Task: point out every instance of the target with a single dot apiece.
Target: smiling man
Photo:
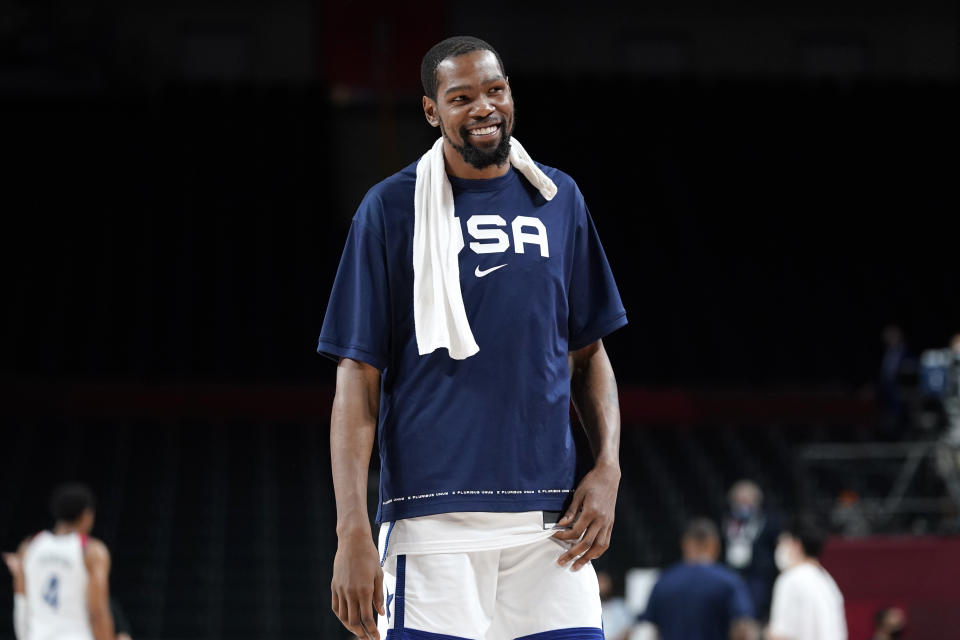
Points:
(465, 368)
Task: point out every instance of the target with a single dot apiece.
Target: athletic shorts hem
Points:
(573, 633)
(413, 634)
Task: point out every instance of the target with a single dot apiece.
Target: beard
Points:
(482, 158)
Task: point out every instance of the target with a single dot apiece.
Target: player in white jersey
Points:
(61, 576)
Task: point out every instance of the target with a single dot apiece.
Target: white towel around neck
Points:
(439, 317)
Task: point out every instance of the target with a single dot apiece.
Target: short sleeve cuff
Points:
(336, 351)
(593, 333)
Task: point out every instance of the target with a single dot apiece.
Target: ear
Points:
(430, 112)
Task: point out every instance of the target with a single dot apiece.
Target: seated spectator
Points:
(847, 517)
(889, 624)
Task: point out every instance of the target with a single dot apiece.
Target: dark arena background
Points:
(776, 188)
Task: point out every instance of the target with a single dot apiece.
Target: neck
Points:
(805, 560)
(703, 558)
(460, 168)
(63, 528)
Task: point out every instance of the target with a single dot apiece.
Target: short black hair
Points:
(880, 617)
(701, 530)
(808, 531)
(69, 500)
(450, 48)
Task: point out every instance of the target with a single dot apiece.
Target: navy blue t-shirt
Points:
(491, 432)
(698, 602)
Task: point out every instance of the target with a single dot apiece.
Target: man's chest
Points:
(524, 249)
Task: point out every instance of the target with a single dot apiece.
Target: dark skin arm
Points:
(593, 389)
(744, 629)
(357, 586)
(97, 559)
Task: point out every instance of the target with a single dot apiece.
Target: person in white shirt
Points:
(61, 576)
(807, 604)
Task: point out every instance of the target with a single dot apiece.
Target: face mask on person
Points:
(783, 557)
(743, 512)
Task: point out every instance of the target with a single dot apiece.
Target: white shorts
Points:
(499, 594)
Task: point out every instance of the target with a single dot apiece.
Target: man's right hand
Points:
(357, 586)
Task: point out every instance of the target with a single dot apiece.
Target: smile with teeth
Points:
(485, 131)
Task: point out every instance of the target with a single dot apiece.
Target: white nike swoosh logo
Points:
(480, 273)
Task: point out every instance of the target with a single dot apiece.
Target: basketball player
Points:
(61, 576)
(486, 530)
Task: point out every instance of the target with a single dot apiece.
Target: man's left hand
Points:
(590, 516)
(14, 564)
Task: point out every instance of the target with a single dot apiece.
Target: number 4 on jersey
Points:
(50, 595)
